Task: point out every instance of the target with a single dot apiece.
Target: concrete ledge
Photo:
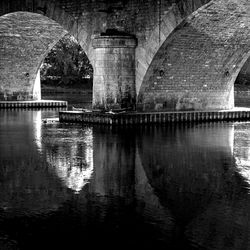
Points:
(32, 104)
(154, 117)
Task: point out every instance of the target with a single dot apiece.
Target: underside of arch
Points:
(25, 39)
(170, 15)
(191, 184)
(197, 65)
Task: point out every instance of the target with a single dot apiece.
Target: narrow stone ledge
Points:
(135, 118)
(32, 104)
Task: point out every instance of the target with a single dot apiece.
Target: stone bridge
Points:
(152, 55)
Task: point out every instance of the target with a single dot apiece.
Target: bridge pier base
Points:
(114, 72)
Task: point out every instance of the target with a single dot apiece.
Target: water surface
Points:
(164, 187)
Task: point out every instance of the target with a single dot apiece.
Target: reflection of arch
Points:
(26, 185)
(200, 60)
(147, 200)
(71, 162)
(193, 172)
(242, 151)
(187, 166)
(26, 38)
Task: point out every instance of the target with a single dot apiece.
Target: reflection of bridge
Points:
(162, 55)
(181, 179)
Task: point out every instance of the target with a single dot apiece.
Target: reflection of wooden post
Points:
(114, 72)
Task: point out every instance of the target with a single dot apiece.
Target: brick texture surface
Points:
(197, 65)
(188, 55)
(25, 40)
(149, 21)
(114, 72)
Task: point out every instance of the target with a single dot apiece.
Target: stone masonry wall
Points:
(150, 21)
(114, 72)
(183, 60)
(25, 39)
(197, 65)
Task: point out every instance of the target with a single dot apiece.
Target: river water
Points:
(69, 186)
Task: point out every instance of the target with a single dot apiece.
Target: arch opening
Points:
(66, 73)
(242, 86)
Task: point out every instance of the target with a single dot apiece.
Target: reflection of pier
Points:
(117, 169)
(193, 172)
(181, 180)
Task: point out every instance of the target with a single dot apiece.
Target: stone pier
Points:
(114, 72)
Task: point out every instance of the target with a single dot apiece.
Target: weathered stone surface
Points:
(25, 40)
(149, 21)
(185, 59)
(197, 65)
(114, 72)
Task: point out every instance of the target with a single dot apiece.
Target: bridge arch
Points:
(74, 23)
(196, 66)
(26, 38)
(168, 19)
(150, 22)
